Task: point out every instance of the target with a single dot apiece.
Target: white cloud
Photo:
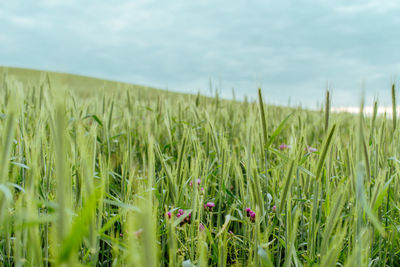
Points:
(376, 6)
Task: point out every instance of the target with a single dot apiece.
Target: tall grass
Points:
(138, 177)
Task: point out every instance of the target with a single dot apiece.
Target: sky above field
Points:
(292, 49)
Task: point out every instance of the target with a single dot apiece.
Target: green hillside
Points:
(69, 81)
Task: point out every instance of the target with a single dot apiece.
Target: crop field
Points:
(110, 174)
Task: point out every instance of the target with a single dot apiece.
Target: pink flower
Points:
(248, 210)
(187, 219)
(284, 146)
(202, 227)
(252, 216)
(169, 215)
(274, 208)
(198, 182)
(209, 206)
(180, 213)
(311, 149)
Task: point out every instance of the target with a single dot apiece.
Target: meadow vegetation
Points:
(133, 176)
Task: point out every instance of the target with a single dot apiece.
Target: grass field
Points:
(97, 173)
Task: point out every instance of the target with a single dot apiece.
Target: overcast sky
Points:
(290, 48)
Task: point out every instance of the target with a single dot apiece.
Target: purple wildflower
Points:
(169, 215)
(201, 227)
(198, 182)
(284, 146)
(180, 213)
(273, 208)
(209, 206)
(252, 216)
(248, 210)
(311, 149)
(187, 219)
